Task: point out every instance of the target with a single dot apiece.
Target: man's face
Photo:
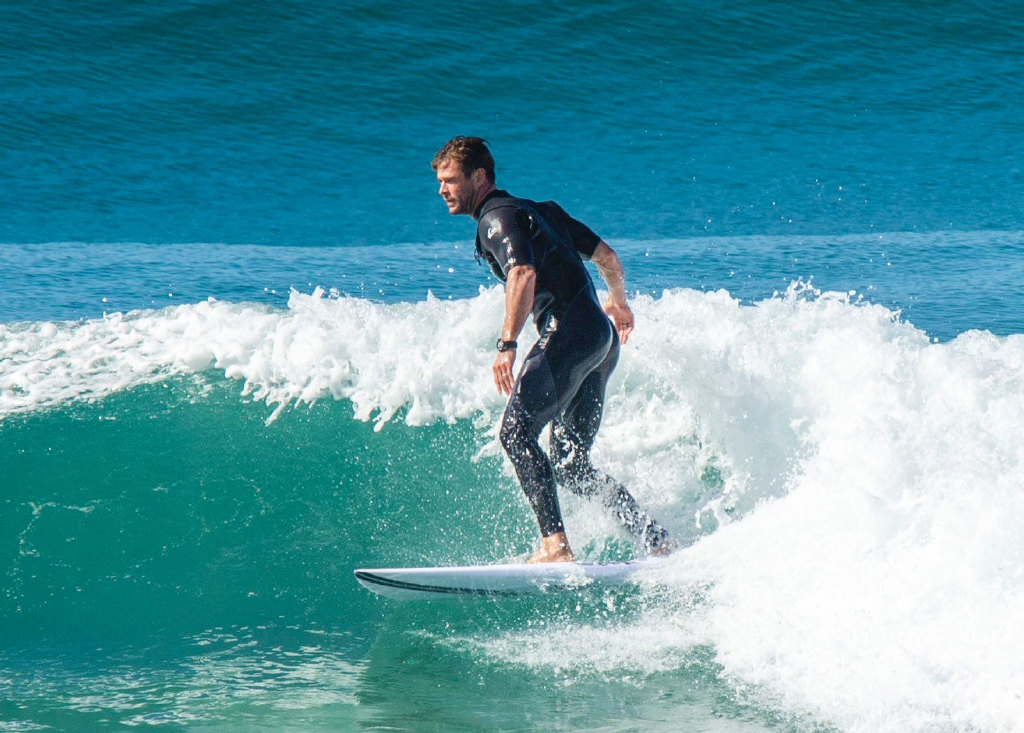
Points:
(458, 190)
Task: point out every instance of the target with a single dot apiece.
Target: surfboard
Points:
(516, 579)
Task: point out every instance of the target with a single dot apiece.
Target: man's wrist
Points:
(504, 345)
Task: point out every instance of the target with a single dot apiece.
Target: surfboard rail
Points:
(500, 580)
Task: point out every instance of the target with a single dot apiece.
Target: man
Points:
(537, 250)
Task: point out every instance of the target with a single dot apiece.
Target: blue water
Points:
(244, 349)
(291, 123)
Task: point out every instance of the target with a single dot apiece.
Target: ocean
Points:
(244, 350)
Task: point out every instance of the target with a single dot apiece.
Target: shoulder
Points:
(493, 222)
(499, 216)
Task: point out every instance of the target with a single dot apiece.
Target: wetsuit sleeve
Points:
(583, 238)
(502, 234)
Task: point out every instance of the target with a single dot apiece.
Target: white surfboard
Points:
(518, 579)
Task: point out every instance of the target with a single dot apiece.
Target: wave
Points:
(379, 357)
(849, 488)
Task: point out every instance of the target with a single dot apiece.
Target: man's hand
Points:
(519, 290)
(610, 267)
(503, 377)
(622, 317)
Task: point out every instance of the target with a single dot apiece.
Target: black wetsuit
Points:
(563, 378)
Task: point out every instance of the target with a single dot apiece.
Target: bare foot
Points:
(553, 548)
(667, 547)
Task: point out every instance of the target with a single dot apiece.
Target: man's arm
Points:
(610, 267)
(519, 291)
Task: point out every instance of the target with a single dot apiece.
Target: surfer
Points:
(537, 250)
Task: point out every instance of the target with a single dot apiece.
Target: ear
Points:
(478, 177)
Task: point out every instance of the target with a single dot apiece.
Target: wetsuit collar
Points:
(493, 194)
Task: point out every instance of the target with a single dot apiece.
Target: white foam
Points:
(875, 578)
(424, 357)
(884, 590)
(866, 484)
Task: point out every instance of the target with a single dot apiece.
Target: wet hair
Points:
(470, 152)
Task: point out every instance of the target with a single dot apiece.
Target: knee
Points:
(567, 464)
(508, 435)
(516, 429)
(568, 458)
(577, 475)
(565, 476)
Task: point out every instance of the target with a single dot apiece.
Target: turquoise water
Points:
(244, 350)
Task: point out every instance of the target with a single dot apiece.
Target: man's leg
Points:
(572, 436)
(530, 407)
